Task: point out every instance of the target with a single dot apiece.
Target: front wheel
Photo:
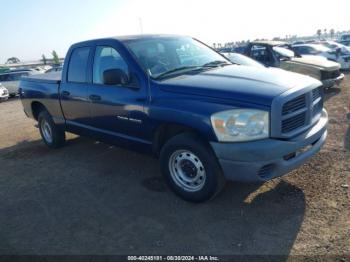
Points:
(191, 168)
(51, 134)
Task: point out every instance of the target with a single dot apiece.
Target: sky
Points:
(32, 28)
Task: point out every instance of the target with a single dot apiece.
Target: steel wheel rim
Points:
(187, 170)
(46, 131)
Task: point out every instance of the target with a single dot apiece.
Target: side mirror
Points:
(115, 77)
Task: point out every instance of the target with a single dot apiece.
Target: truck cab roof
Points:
(127, 38)
(268, 42)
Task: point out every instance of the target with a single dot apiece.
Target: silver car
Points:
(10, 80)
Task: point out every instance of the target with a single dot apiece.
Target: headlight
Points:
(241, 125)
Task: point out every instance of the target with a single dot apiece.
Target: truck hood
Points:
(238, 83)
(316, 61)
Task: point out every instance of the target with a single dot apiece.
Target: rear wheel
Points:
(51, 134)
(190, 168)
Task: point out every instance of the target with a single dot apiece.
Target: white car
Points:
(321, 50)
(4, 93)
(343, 49)
(10, 80)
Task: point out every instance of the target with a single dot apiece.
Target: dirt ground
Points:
(93, 198)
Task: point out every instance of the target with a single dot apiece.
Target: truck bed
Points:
(43, 89)
(50, 78)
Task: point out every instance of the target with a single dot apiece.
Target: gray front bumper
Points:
(265, 159)
(331, 82)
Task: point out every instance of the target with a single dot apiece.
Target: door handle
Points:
(65, 93)
(94, 97)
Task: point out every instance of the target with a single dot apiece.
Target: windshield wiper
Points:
(211, 64)
(176, 70)
(216, 63)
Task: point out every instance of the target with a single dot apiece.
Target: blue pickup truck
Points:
(207, 119)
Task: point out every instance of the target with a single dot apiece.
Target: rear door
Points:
(117, 110)
(74, 89)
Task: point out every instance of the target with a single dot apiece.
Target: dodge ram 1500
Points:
(207, 119)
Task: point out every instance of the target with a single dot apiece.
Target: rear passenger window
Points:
(77, 68)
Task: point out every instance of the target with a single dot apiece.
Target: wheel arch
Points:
(37, 107)
(168, 130)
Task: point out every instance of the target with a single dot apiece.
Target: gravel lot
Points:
(93, 198)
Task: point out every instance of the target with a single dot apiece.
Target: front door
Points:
(117, 109)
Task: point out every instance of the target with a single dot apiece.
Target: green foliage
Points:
(56, 60)
(13, 60)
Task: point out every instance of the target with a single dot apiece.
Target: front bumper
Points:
(4, 97)
(263, 160)
(327, 83)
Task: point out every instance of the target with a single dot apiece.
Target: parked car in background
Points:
(240, 49)
(343, 49)
(271, 53)
(4, 93)
(4, 69)
(345, 37)
(10, 80)
(54, 69)
(347, 43)
(298, 42)
(207, 119)
(242, 60)
(322, 50)
(19, 69)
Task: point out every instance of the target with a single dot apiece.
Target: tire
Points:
(191, 169)
(52, 135)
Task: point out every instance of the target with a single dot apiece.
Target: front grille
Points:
(294, 105)
(317, 102)
(297, 113)
(316, 93)
(330, 74)
(293, 122)
(317, 109)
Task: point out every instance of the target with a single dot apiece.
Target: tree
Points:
(319, 32)
(332, 32)
(13, 60)
(325, 32)
(56, 60)
(43, 58)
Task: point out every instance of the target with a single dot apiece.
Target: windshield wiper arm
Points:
(176, 70)
(185, 68)
(216, 63)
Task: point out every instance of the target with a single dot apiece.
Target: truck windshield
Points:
(167, 55)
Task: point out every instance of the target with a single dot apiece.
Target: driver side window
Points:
(107, 58)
